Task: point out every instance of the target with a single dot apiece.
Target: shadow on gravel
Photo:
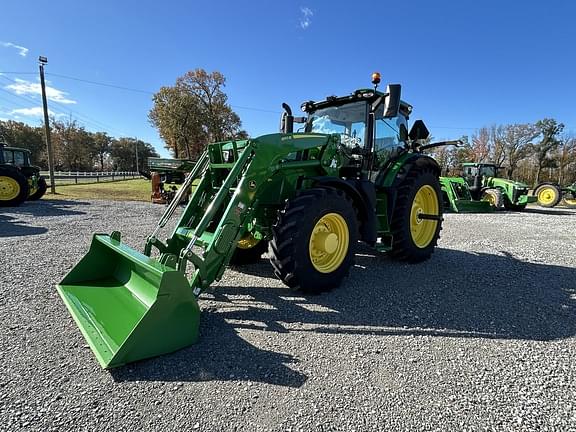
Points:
(9, 227)
(455, 294)
(49, 207)
(221, 354)
(559, 212)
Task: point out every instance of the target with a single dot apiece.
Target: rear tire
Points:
(314, 238)
(414, 239)
(569, 199)
(14, 187)
(42, 187)
(548, 195)
(494, 197)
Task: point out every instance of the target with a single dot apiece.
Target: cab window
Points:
(386, 135)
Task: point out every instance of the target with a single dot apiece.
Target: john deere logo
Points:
(252, 184)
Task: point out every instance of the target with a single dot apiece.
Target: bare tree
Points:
(548, 130)
(516, 140)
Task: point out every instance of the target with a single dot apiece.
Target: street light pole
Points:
(42, 61)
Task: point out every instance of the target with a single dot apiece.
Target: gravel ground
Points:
(480, 337)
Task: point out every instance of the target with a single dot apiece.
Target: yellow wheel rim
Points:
(547, 195)
(424, 230)
(9, 188)
(329, 243)
(570, 202)
(490, 198)
(248, 241)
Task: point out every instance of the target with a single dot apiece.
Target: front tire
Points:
(40, 191)
(494, 197)
(415, 238)
(314, 238)
(248, 250)
(14, 187)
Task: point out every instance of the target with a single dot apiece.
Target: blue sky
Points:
(462, 64)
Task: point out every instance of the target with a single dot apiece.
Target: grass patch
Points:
(123, 190)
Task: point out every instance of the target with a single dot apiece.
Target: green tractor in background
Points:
(480, 183)
(551, 194)
(352, 173)
(19, 179)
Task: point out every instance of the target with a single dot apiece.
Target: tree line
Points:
(528, 152)
(75, 148)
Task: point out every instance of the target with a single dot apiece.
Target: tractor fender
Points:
(363, 196)
(416, 160)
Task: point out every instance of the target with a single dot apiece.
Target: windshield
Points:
(488, 171)
(349, 121)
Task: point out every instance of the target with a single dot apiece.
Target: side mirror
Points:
(392, 103)
(403, 133)
(419, 131)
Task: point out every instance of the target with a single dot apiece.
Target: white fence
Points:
(75, 177)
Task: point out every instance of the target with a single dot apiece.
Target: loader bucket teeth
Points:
(128, 306)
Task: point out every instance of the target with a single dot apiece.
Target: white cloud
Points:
(306, 17)
(21, 50)
(23, 87)
(34, 112)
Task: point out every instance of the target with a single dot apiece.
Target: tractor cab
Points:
(15, 156)
(475, 174)
(372, 125)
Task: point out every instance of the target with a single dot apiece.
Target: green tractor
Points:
(456, 197)
(19, 180)
(483, 184)
(551, 194)
(352, 173)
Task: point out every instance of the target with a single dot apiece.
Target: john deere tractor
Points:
(551, 194)
(19, 180)
(351, 173)
(483, 184)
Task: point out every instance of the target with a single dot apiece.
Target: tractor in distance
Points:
(352, 172)
(19, 179)
(480, 182)
(163, 172)
(551, 194)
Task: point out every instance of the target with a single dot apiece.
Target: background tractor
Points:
(352, 172)
(551, 194)
(19, 180)
(163, 172)
(484, 185)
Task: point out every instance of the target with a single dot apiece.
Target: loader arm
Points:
(131, 305)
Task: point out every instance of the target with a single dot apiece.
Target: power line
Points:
(119, 87)
(100, 83)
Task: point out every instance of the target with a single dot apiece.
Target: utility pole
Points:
(42, 61)
(136, 145)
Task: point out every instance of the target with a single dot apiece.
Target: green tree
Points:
(19, 134)
(74, 147)
(194, 112)
(123, 153)
(549, 130)
(102, 147)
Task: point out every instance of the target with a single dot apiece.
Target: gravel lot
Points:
(480, 337)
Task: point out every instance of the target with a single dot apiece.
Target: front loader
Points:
(353, 172)
(480, 183)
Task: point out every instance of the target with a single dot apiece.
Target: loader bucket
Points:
(469, 206)
(129, 306)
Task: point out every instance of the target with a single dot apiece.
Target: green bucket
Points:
(127, 305)
(469, 206)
